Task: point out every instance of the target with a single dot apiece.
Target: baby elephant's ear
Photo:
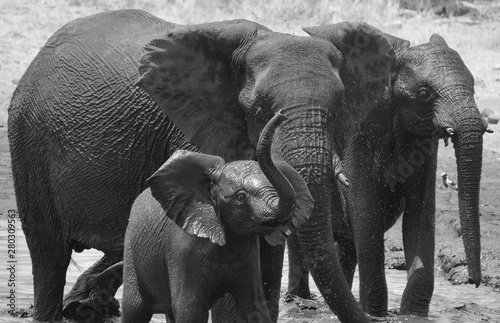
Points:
(182, 187)
(301, 212)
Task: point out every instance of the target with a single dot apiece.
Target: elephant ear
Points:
(301, 212)
(182, 187)
(438, 40)
(399, 45)
(368, 59)
(191, 73)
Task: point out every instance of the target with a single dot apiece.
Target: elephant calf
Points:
(169, 265)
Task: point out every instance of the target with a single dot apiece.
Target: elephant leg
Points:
(347, 256)
(49, 277)
(419, 243)
(372, 283)
(137, 315)
(298, 274)
(271, 264)
(224, 310)
(134, 308)
(49, 251)
(92, 297)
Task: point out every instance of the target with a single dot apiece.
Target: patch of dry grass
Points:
(287, 17)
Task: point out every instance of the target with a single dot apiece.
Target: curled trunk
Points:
(468, 151)
(283, 207)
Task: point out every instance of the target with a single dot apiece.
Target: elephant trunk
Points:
(307, 146)
(282, 208)
(468, 146)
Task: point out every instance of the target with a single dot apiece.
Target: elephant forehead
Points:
(246, 173)
(255, 181)
(287, 48)
(291, 70)
(439, 63)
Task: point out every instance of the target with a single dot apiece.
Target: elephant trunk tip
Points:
(475, 280)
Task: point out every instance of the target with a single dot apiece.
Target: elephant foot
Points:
(393, 316)
(390, 317)
(92, 297)
(94, 309)
(301, 290)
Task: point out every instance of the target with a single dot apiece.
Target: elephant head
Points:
(432, 97)
(221, 82)
(206, 196)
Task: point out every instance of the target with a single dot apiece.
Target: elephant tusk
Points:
(339, 175)
(489, 130)
(343, 179)
(450, 131)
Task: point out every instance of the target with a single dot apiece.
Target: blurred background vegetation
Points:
(469, 27)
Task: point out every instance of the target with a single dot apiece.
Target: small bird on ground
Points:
(448, 182)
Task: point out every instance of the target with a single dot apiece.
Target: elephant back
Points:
(79, 90)
(126, 30)
(76, 116)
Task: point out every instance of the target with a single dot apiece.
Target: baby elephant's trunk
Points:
(281, 209)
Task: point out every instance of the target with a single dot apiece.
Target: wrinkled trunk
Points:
(305, 143)
(468, 146)
(281, 210)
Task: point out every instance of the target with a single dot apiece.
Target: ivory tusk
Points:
(343, 179)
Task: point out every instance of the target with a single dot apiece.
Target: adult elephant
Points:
(84, 139)
(391, 165)
(312, 80)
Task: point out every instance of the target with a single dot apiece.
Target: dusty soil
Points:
(26, 25)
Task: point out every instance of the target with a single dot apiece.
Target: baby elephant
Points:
(192, 237)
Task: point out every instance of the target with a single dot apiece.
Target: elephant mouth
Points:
(445, 133)
(268, 226)
(272, 223)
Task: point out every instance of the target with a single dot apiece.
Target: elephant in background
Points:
(84, 139)
(193, 236)
(391, 165)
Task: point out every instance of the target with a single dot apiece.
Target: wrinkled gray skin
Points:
(81, 139)
(391, 165)
(84, 139)
(169, 264)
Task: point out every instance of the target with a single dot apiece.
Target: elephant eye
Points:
(241, 196)
(424, 93)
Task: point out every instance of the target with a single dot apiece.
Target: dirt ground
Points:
(25, 26)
